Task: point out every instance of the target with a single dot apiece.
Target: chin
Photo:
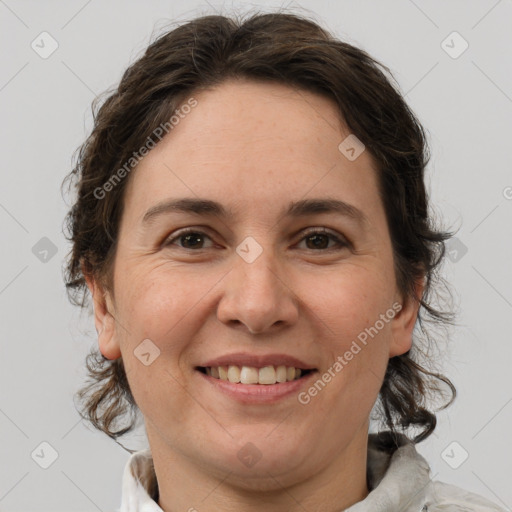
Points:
(256, 459)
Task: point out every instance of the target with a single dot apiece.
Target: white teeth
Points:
(248, 375)
(281, 373)
(223, 373)
(252, 375)
(234, 374)
(267, 375)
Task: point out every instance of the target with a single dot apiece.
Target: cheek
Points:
(156, 303)
(356, 317)
(351, 300)
(159, 315)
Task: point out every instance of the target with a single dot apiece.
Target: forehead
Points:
(248, 142)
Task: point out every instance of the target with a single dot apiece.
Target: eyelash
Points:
(341, 242)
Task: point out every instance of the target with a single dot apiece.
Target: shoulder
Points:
(441, 497)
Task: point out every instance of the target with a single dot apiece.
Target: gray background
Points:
(466, 105)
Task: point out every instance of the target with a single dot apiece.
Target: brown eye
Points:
(319, 240)
(192, 240)
(188, 239)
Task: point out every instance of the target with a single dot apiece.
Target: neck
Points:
(185, 484)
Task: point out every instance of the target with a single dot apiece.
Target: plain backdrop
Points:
(463, 97)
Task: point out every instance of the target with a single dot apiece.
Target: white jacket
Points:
(398, 479)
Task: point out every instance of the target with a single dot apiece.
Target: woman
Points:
(252, 224)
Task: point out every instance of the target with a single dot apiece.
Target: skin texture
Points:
(254, 147)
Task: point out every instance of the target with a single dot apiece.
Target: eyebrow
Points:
(211, 208)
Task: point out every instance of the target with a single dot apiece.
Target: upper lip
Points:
(257, 361)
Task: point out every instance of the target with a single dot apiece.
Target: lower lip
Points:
(258, 393)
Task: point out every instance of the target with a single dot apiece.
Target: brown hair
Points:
(291, 50)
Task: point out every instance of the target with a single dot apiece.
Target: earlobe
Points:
(404, 322)
(104, 320)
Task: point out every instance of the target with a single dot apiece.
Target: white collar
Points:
(140, 489)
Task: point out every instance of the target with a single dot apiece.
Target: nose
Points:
(258, 296)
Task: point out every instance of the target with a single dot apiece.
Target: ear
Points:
(104, 320)
(404, 321)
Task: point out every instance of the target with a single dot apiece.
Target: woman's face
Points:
(255, 285)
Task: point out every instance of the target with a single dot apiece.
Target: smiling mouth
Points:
(266, 375)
